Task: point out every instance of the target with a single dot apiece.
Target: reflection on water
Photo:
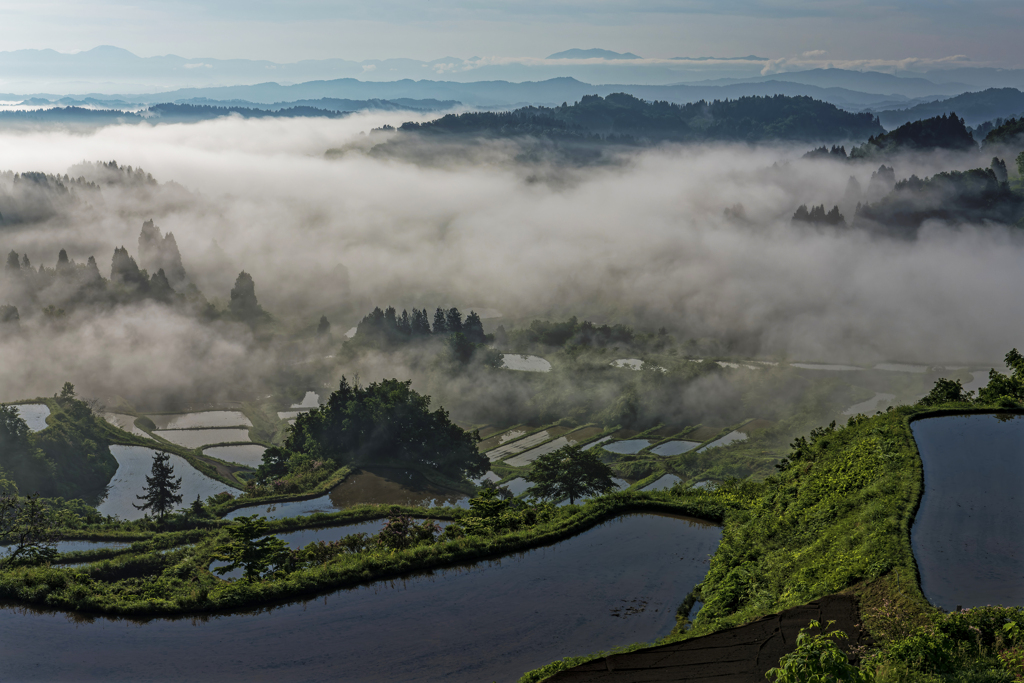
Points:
(674, 447)
(869, 406)
(628, 447)
(207, 418)
(968, 536)
(34, 415)
(491, 621)
(731, 437)
(665, 482)
(250, 455)
(134, 463)
(515, 361)
(824, 366)
(197, 438)
(125, 422)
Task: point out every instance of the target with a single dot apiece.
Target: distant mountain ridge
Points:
(974, 107)
(592, 53)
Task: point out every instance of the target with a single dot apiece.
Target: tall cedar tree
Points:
(570, 472)
(160, 492)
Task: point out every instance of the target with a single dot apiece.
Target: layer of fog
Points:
(646, 242)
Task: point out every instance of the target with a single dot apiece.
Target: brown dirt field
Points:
(703, 434)
(737, 655)
(755, 425)
(585, 434)
(555, 432)
(625, 434)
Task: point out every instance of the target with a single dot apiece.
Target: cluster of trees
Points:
(384, 424)
(69, 284)
(1001, 389)
(70, 458)
(939, 132)
(624, 118)
(975, 195)
(573, 333)
(1010, 132)
(33, 197)
(818, 215)
(389, 328)
(824, 152)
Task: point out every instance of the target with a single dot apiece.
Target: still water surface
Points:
(968, 535)
(612, 585)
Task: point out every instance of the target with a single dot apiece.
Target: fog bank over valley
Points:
(697, 239)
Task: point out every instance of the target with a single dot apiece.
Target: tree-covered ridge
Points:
(969, 196)
(386, 424)
(1010, 132)
(624, 118)
(70, 458)
(940, 132)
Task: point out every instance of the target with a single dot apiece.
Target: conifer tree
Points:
(160, 492)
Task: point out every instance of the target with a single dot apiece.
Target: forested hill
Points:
(627, 119)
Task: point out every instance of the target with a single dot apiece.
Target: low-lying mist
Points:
(645, 241)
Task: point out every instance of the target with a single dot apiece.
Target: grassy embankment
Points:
(837, 519)
(178, 581)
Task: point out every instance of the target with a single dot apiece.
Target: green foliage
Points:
(939, 132)
(402, 531)
(1005, 390)
(946, 391)
(570, 472)
(28, 528)
(386, 423)
(626, 119)
(818, 659)
(160, 492)
(251, 548)
(1010, 132)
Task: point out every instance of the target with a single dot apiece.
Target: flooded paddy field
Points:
(34, 415)
(628, 447)
(134, 464)
(498, 439)
(615, 584)
(731, 437)
(250, 455)
(78, 546)
(125, 422)
(525, 363)
(534, 453)
(197, 438)
(968, 535)
(209, 418)
(665, 482)
(825, 366)
(674, 447)
(521, 445)
(877, 402)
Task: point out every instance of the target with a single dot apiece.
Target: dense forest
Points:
(940, 132)
(625, 119)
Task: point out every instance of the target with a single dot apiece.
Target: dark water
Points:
(381, 487)
(612, 585)
(968, 536)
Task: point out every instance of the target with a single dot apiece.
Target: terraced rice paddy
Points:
(209, 418)
(524, 363)
(517, 486)
(134, 463)
(534, 453)
(250, 455)
(731, 437)
(384, 487)
(869, 407)
(665, 482)
(584, 435)
(631, 363)
(488, 476)
(489, 621)
(496, 440)
(197, 438)
(674, 447)
(968, 535)
(76, 546)
(310, 400)
(825, 366)
(34, 415)
(629, 447)
(519, 446)
(902, 367)
(125, 422)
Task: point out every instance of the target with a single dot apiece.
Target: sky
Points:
(984, 31)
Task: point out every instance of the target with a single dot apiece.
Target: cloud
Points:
(645, 242)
